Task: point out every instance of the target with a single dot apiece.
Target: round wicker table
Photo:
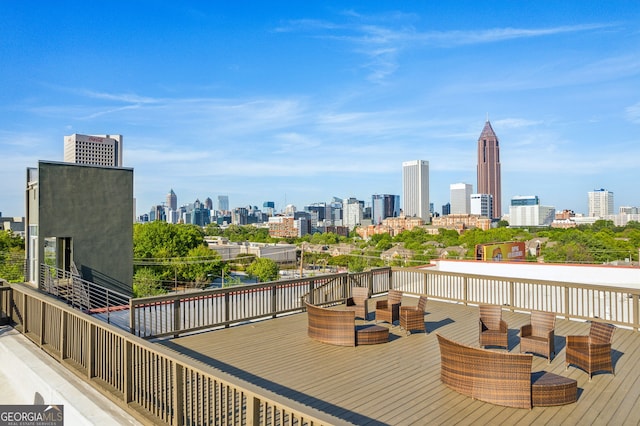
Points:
(372, 335)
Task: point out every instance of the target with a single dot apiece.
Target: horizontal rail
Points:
(81, 294)
(616, 305)
(175, 314)
(153, 383)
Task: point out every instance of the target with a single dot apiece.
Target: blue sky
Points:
(297, 103)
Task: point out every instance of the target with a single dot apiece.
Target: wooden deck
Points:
(398, 383)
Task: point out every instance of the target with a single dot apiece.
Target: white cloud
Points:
(633, 113)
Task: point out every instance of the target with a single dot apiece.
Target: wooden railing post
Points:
(425, 279)
(465, 290)
(41, 320)
(25, 314)
(127, 380)
(566, 303)
(178, 391)
(636, 313)
(63, 335)
(227, 314)
(253, 410)
(132, 317)
(511, 294)
(274, 302)
(311, 293)
(176, 317)
(91, 352)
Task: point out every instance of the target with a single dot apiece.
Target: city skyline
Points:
(298, 103)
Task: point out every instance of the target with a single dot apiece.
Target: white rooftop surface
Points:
(29, 376)
(613, 276)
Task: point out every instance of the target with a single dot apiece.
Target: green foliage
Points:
(357, 264)
(200, 265)
(11, 257)
(161, 239)
(238, 233)
(147, 283)
(175, 252)
(264, 269)
(8, 241)
(340, 260)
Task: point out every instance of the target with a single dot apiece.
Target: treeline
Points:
(167, 255)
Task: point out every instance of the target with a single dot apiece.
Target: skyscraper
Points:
(172, 201)
(415, 189)
(384, 206)
(489, 180)
(481, 205)
(460, 196)
(223, 203)
(96, 150)
(600, 203)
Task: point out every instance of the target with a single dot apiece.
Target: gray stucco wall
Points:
(94, 207)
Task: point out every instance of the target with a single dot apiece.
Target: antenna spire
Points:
(487, 117)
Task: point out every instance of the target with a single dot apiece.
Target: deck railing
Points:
(616, 305)
(5, 303)
(153, 383)
(171, 315)
(164, 386)
(81, 294)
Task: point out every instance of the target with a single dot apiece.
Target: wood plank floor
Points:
(398, 383)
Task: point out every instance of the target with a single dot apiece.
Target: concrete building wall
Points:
(91, 207)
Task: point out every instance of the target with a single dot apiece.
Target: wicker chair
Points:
(493, 329)
(539, 336)
(389, 310)
(358, 302)
(593, 352)
(412, 317)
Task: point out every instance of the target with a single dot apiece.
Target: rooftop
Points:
(399, 382)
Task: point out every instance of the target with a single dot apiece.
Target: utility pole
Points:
(301, 259)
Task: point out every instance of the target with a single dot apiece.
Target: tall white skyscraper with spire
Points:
(415, 189)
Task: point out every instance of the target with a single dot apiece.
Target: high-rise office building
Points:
(172, 201)
(415, 189)
(489, 180)
(208, 203)
(460, 197)
(352, 209)
(481, 205)
(223, 203)
(384, 206)
(527, 211)
(600, 203)
(96, 150)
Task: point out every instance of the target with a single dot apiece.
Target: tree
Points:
(147, 283)
(200, 265)
(11, 257)
(264, 269)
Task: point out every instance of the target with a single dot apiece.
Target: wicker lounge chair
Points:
(358, 302)
(539, 336)
(593, 352)
(389, 310)
(493, 330)
(412, 317)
